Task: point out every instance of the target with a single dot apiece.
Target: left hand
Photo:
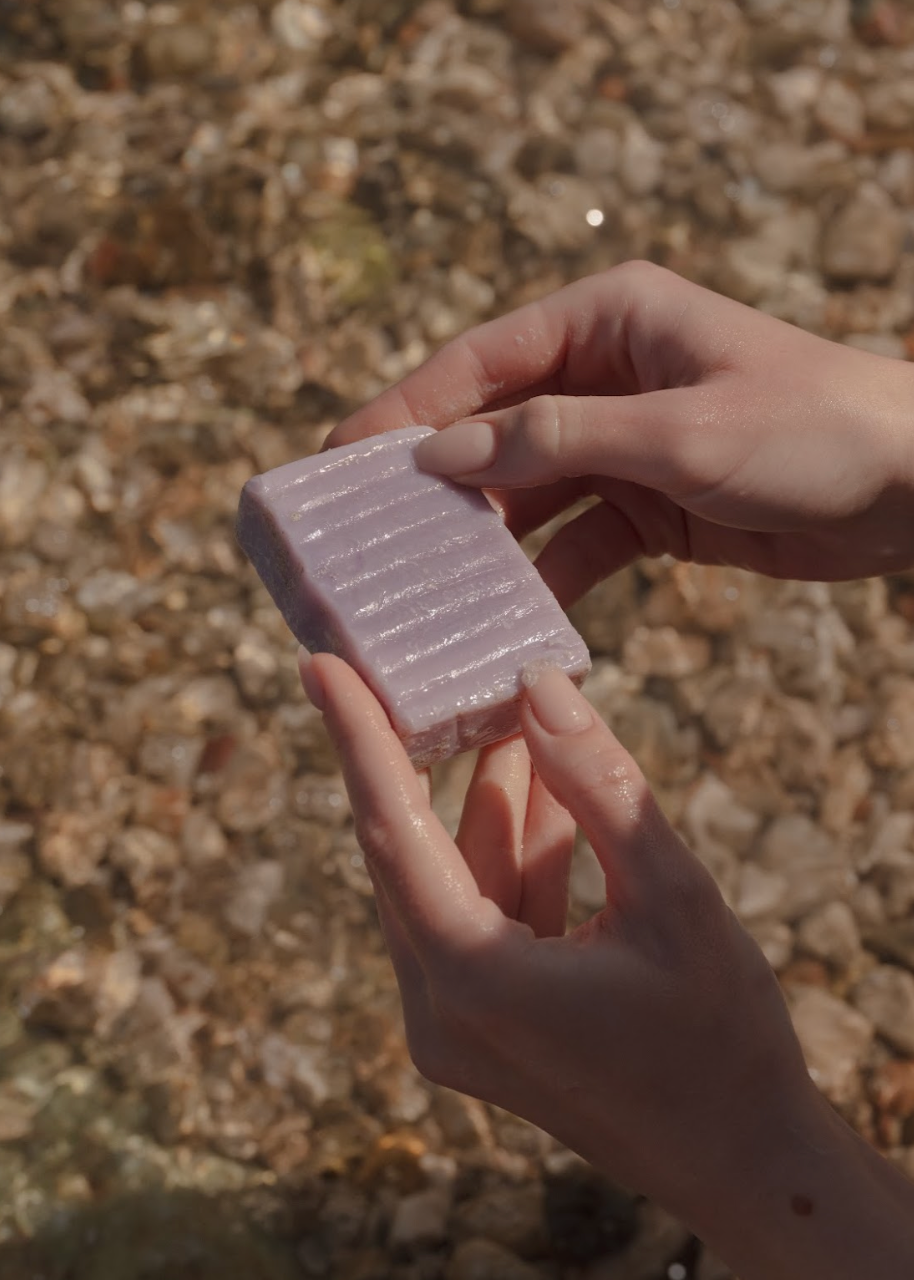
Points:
(704, 429)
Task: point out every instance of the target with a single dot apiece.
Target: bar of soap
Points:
(415, 581)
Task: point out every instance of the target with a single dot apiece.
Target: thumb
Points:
(589, 772)
(649, 439)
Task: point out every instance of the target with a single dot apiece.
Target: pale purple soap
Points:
(415, 582)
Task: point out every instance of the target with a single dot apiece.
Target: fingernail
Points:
(312, 682)
(459, 450)
(555, 702)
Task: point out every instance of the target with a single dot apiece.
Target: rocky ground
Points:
(222, 226)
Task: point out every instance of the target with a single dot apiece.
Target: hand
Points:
(707, 430)
(654, 1039)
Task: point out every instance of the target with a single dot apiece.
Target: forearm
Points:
(899, 437)
(820, 1205)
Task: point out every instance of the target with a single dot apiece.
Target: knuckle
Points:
(607, 770)
(639, 275)
(541, 428)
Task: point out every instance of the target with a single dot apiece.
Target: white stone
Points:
(839, 110)
(641, 161)
(834, 1037)
(420, 1220)
(886, 997)
(864, 240)
(830, 933)
(759, 893)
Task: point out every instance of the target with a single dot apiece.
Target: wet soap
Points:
(415, 582)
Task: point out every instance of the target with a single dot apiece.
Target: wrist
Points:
(896, 428)
(809, 1199)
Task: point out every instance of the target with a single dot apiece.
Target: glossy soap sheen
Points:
(415, 582)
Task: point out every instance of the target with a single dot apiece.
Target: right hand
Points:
(708, 430)
(653, 1039)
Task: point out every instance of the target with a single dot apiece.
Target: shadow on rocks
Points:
(157, 1235)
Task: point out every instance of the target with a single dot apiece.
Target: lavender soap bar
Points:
(415, 582)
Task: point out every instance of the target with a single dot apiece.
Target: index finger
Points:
(425, 879)
(512, 356)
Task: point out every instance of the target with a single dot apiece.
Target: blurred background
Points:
(222, 226)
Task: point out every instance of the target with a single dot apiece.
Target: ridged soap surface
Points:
(414, 581)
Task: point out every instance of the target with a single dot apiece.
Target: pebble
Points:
(485, 1260)
(759, 893)
(510, 1216)
(71, 846)
(252, 787)
(840, 110)
(891, 1088)
(885, 996)
(893, 942)
(835, 1039)
(714, 814)
(256, 665)
(110, 596)
(890, 104)
(601, 616)
(663, 651)
(257, 887)
(463, 1120)
(640, 161)
(22, 482)
(775, 940)
(890, 745)
(849, 780)
(15, 870)
(830, 933)
(147, 858)
(587, 882)
(539, 24)
(795, 91)
(420, 1220)
(176, 50)
(203, 841)
(864, 240)
(815, 869)
(660, 1240)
